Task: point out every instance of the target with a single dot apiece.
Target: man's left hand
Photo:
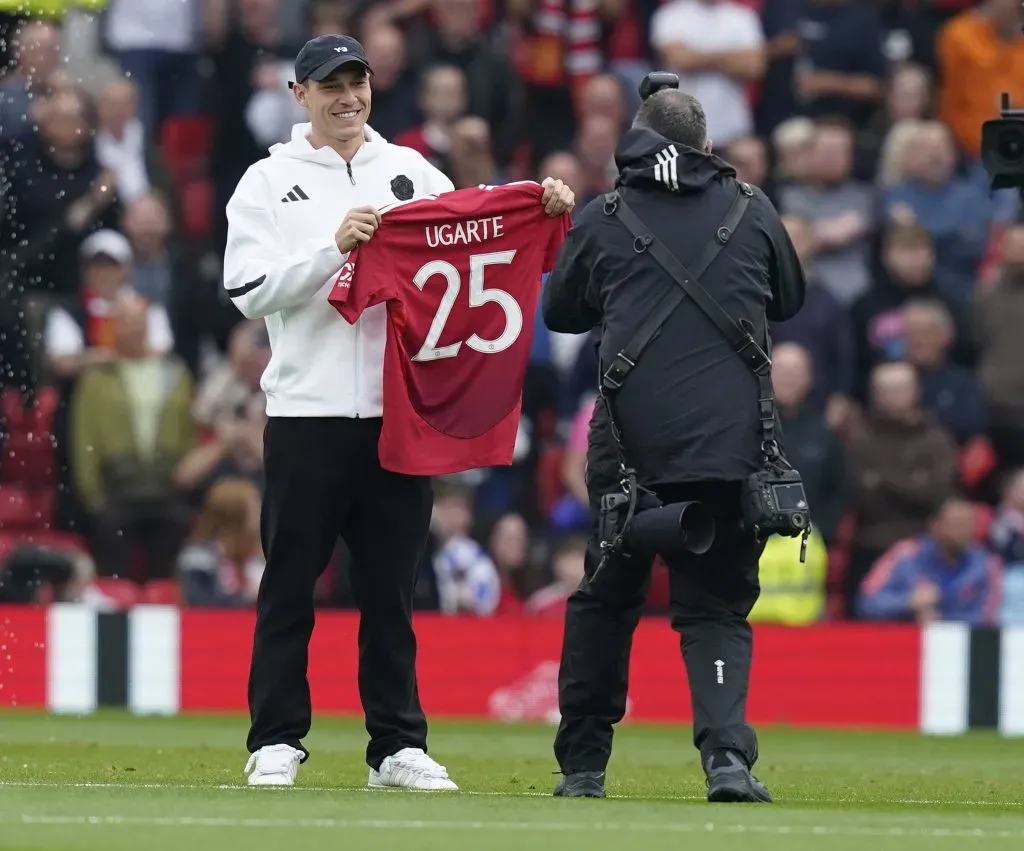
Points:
(558, 198)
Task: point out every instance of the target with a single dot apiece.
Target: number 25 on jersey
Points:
(479, 294)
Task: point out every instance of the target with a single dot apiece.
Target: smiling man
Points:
(292, 222)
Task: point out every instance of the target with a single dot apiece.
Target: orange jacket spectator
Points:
(976, 65)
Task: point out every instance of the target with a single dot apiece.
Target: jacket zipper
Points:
(350, 177)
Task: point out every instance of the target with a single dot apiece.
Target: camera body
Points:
(656, 81)
(775, 503)
(1002, 147)
(655, 528)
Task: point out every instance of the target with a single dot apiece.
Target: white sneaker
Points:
(274, 765)
(411, 768)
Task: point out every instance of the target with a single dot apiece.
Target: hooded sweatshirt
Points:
(282, 259)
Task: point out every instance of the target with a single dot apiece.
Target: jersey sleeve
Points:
(362, 282)
(559, 228)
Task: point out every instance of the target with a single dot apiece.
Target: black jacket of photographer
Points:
(688, 411)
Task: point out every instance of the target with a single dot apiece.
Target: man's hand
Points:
(359, 224)
(557, 197)
(924, 601)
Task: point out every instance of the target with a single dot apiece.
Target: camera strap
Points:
(739, 334)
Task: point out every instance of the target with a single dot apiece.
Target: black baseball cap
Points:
(322, 56)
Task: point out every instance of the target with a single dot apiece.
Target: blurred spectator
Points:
(908, 261)
(793, 141)
(230, 412)
(602, 95)
(780, 20)
(1006, 540)
(222, 563)
(909, 97)
(842, 69)
(456, 38)
(823, 328)
(272, 110)
(595, 146)
(572, 512)
(810, 446)
(749, 157)
(471, 154)
(792, 592)
(998, 335)
(567, 568)
(509, 549)
(1006, 534)
(956, 212)
(147, 224)
(395, 104)
(892, 162)
(442, 101)
(131, 425)
(81, 330)
(43, 229)
(120, 139)
(903, 464)
(565, 166)
(717, 48)
(842, 210)
(941, 575)
(467, 579)
(156, 43)
(241, 37)
(980, 55)
(36, 50)
(949, 392)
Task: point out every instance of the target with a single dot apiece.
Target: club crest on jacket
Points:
(402, 188)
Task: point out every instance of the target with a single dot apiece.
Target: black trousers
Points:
(323, 480)
(711, 596)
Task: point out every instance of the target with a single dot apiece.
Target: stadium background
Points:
(863, 125)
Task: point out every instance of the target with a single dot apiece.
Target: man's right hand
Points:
(359, 224)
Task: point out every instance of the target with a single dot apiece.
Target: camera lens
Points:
(1010, 145)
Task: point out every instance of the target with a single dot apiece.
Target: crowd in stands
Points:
(131, 414)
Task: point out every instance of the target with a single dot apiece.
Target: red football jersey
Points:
(461, 275)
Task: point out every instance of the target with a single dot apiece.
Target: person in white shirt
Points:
(324, 389)
(72, 338)
(717, 48)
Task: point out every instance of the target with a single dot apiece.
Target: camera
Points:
(774, 503)
(656, 529)
(656, 81)
(1002, 147)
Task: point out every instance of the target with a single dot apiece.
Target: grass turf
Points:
(114, 782)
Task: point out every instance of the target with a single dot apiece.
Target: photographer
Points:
(685, 427)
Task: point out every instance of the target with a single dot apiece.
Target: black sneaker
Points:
(730, 781)
(581, 784)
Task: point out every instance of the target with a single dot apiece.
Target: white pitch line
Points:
(538, 826)
(923, 802)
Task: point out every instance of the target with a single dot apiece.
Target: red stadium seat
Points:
(162, 592)
(195, 198)
(185, 144)
(17, 510)
(28, 455)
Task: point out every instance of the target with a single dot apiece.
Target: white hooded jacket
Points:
(281, 261)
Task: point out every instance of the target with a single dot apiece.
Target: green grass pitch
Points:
(111, 782)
